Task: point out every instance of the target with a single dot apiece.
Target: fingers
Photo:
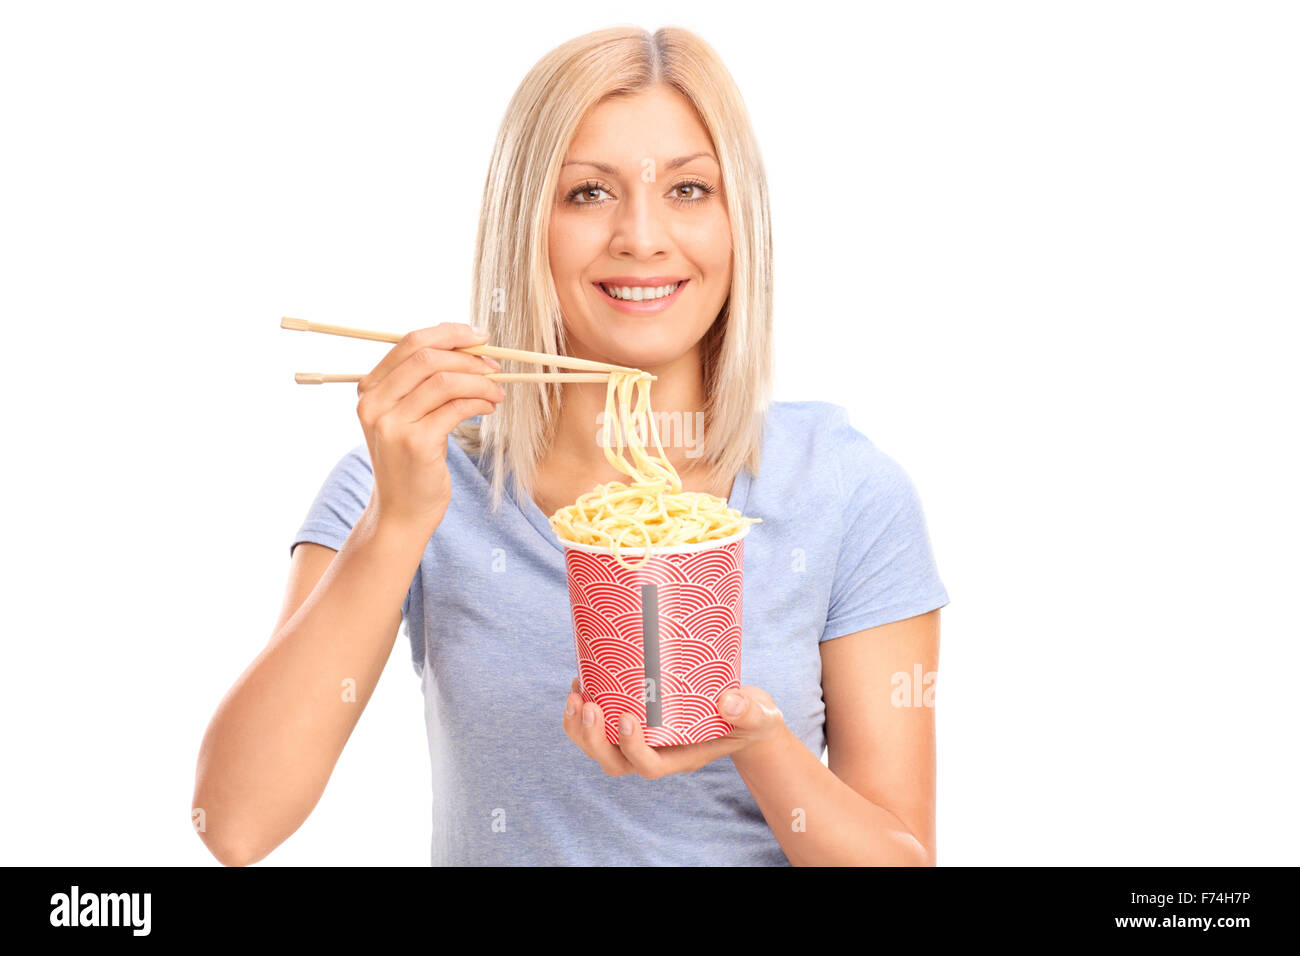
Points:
(654, 762)
(585, 726)
(433, 387)
(631, 741)
(447, 336)
(439, 423)
(416, 369)
(757, 714)
(734, 708)
(441, 387)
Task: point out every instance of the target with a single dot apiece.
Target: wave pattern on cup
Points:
(699, 616)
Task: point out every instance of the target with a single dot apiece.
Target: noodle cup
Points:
(662, 641)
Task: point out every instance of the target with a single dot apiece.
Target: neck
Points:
(678, 389)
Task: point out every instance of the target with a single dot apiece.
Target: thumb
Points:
(739, 709)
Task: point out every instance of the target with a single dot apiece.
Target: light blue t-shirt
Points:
(842, 546)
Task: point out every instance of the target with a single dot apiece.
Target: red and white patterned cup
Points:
(662, 641)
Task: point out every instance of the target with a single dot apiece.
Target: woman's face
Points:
(640, 206)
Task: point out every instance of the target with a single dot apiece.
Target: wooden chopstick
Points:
(492, 351)
(321, 378)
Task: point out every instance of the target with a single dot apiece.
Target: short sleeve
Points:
(885, 570)
(337, 509)
(339, 503)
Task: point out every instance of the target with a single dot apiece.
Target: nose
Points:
(640, 231)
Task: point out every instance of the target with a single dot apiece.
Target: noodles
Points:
(650, 511)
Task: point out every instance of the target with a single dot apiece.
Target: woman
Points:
(625, 161)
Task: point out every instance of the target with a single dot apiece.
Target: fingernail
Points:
(478, 330)
(625, 726)
(734, 704)
(569, 709)
(589, 714)
(491, 361)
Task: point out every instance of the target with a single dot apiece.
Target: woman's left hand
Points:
(757, 720)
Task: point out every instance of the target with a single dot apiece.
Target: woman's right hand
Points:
(408, 405)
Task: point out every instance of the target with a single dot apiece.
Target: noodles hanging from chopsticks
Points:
(650, 511)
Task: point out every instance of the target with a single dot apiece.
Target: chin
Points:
(642, 346)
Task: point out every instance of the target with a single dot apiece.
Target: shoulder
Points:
(359, 457)
(351, 477)
(821, 442)
(355, 463)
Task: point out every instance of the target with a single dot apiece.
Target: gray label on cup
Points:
(650, 652)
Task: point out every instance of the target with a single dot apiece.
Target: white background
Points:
(1046, 253)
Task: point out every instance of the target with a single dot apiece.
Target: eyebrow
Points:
(614, 170)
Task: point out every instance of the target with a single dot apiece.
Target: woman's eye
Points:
(684, 194)
(583, 195)
(696, 192)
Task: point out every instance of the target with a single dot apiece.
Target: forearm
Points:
(818, 819)
(273, 743)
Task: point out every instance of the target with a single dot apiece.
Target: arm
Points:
(874, 805)
(277, 735)
(275, 738)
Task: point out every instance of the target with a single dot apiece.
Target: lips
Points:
(636, 306)
(640, 280)
(641, 292)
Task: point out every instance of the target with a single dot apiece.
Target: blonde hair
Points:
(514, 295)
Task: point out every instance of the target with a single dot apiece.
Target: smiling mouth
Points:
(640, 293)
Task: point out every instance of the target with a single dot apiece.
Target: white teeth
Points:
(640, 293)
